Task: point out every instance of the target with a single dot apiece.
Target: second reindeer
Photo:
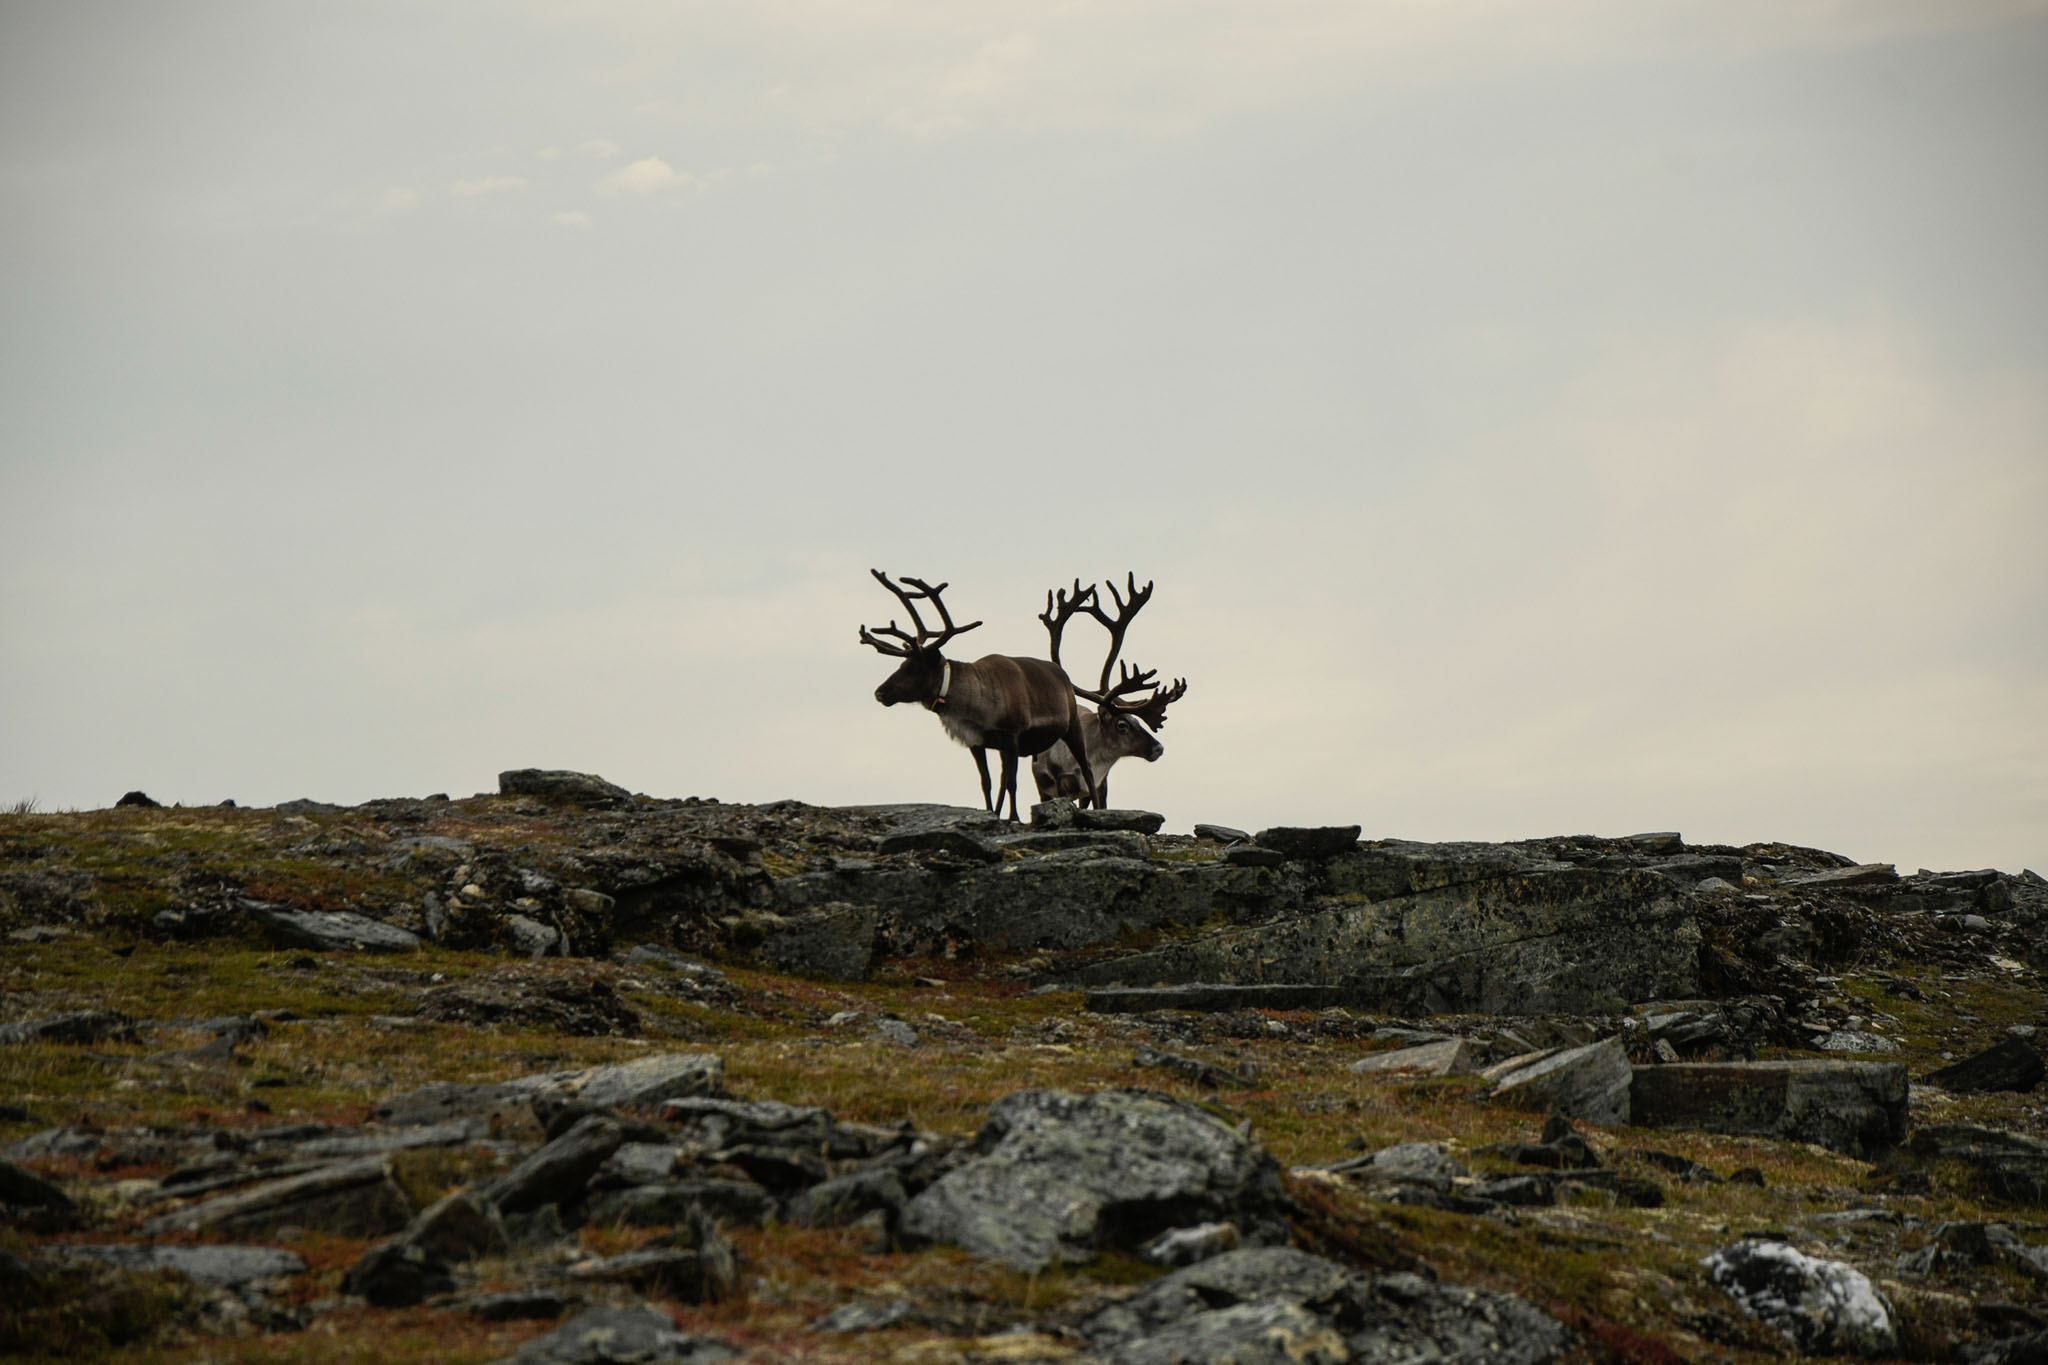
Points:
(1119, 726)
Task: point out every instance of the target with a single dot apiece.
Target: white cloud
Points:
(487, 184)
(645, 176)
(549, 153)
(574, 218)
(398, 198)
(603, 148)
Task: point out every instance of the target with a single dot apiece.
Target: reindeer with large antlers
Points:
(1014, 706)
(1113, 730)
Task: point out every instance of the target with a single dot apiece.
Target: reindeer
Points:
(1014, 706)
(1111, 731)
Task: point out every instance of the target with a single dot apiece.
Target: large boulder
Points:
(1822, 1307)
(555, 784)
(1061, 1175)
(1589, 1083)
(1858, 1108)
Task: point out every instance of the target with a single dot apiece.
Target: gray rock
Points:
(1425, 1164)
(1512, 935)
(957, 842)
(2011, 1064)
(1823, 1307)
(639, 1163)
(1858, 1108)
(1283, 1306)
(1192, 1068)
(2013, 1166)
(348, 1199)
(1061, 1174)
(621, 1336)
(729, 1201)
(398, 1274)
(848, 1198)
(1263, 1332)
(1863, 876)
(515, 1304)
(79, 1026)
(1589, 1083)
(895, 1031)
(835, 941)
(1448, 1057)
(1857, 1040)
(1310, 842)
(715, 1125)
(554, 784)
(1222, 834)
(1135, 821)
(1251, 855)
(686, 1275)
(1056, 814)
(328, 931)
(458, 1227)
(1117, 843)
(223, 1267)
(445, 1134)
(440, 1102)
(531, 937)
(865, 1317)
(641, 1083)
(557, 1172)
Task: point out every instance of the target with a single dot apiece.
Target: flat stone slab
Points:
(644, 1082)
(225, 1267)
(349, 1199)
(1449, 1057)
(328, 931)
(1857, 1108)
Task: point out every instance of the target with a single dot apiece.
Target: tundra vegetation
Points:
(439, 1080)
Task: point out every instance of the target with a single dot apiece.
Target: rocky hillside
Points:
(566, 1073)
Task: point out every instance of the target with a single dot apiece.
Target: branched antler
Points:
(1059, 607)
(1126, 612)
(925, 638)
(1131, 680)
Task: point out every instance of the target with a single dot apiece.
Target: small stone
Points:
(1222, 834)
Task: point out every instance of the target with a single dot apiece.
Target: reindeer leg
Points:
(1078, 746)
(1102, 793)
(980, 753)
(1009, 781)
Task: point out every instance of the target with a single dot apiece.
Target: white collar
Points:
(945, 681)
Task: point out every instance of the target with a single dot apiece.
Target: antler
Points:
(925, 639)
(1153, 709)
(1059, 607)
(1126, 611)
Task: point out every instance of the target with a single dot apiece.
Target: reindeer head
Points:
(921, 676)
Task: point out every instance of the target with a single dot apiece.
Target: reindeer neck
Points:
(938, 703)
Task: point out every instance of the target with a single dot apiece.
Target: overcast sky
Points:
(1598, 416)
